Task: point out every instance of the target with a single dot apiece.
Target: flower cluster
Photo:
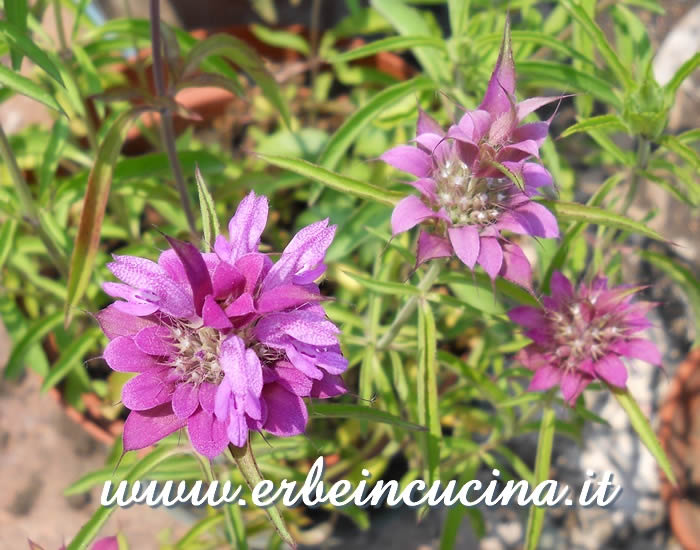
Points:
(580, 335)
(467, 179)
(226, 341)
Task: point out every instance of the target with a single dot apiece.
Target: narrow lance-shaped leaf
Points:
(359, 412)
(7, 240)
(246, 58)
(210, 223)
(19, 42)
(567, 211)
(348, 132)
(602, 122)
(33, 335)
(335, 180)
(535, 519)
(644, 430)
(683, 72)
(16, 14)
(246, 464)
(388, 44)
(87, 240)
(428, 411)
(22, 85)
(71, 358)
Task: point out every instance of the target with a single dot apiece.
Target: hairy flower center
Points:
(576, 339)
(466, 199)
(197, 357)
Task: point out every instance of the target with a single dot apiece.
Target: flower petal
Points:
(330, 385)
(501, 87)
(612, 370)
(572, 384)
(490, 256)
(638, 348)
(527, 316)
(409, 159)
(144, 428)
(530, 218)
(427, 124)
(247, 225)
(207, 433)
(408, 213)
(286, 412)
(545, 377)
(195, 269)
(213, 316)
(243, 305)
(155, 340)
(185, 400)
(285, 297)
(147, 390)
(293, 380)
(226, 280)
(300, 325)
(466, 243)
(431, 246)
(516, 267)
(115, 323)
(561, 289)
(106, 543)
(123, 355)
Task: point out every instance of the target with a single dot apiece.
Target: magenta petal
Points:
(185, 400)
(637, 348)
(293, 380)
(490, 256)
(435, 145)
(155, 340)
(144, 428)
(516, 267)
(519, 150)
(561, 288)
(285, 297)
(531, 218)
(572, 384)
(426, 186)
(213, 316)
(612, 370)
(527, 316)
(195, 269)
(114, 322)
(139, 302)
(123, 355)
(531, 104)
(300, 325)
(106, 543)
(207, 396)
(232, 359)
(408, 213)
(145, 391)
(427, 124)
(247, 225)
(226, 280)
(172, 265)
(286, 412)
(237, 431)
(535, 131)
(331, 385)
(466, 243)
(207, 434)
(536, 176)
(243, 305)
(501, 86)
(409, 159)
(431, 246)
(545, 377)
(473, 125)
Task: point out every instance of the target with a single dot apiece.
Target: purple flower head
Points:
(226, 341)
(580, 335)
(466, 179)
(107, 543)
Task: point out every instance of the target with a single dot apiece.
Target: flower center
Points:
(466, 199)
(576, 339)
(197, 357)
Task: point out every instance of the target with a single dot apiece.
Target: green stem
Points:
(409, 307)
(166, 127)
(29, 208)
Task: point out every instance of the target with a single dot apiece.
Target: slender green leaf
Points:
(20, 42)
(543, 459)
(428, 410)
(453, 519)
(385, 287)
(601, 42)
(409, 21)
(246, 58)
(71, 357)
(568, 211)
(79, 13)
(602, 122)
(90, 529)
(392, 43)
(210, 223)
(281, 39)
(16, 12)
(202, 527)
(22, 85)
(672, 143)
(568, 79)
(335, 180)
(341, 140)
(359, 412)
(34, 334)
(681, 74)
(644, 430)
(52, 154)
(87, 240)
(459, 15)
(7, 240)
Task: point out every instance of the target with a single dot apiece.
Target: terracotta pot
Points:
(679, 433)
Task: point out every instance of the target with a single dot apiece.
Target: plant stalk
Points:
(166, 127)
(410, 306)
